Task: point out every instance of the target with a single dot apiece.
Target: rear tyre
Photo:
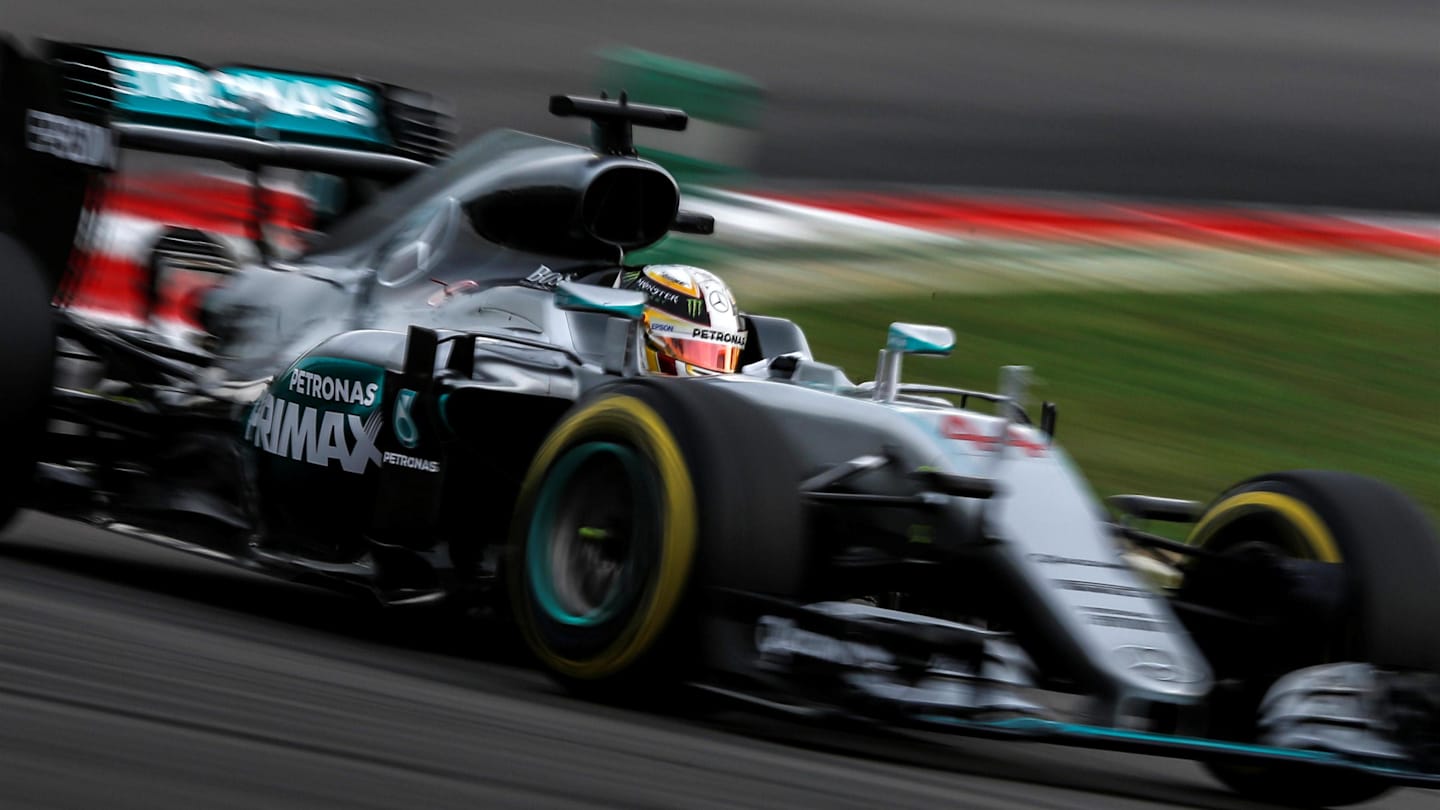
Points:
(1345, 568)
(636, 507)
(27, 349)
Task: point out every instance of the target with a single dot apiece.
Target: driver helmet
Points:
(692, 326)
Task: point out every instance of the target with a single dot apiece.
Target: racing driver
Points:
(692, 326)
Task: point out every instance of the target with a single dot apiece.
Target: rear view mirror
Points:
(573, 297)
(903, 339)
(915, 338)
(623, 336)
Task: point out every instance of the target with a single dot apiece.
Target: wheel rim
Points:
(590, 548)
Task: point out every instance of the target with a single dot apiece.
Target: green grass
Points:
(1182, 395)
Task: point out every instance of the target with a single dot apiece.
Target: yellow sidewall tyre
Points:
(724, 515)
(599, 646)
(1386, 563)
(1298, 530)
(1381, 541)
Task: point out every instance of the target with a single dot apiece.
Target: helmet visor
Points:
(702, 353)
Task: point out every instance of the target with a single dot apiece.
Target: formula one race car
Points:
(446, 398)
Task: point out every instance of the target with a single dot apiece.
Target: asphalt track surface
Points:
(1326, 102)
(135, 677)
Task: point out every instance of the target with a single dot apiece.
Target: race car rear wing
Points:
(68, 111)
(288, 115)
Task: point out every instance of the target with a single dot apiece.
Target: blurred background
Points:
(1213, 228)
(1213, 225)
(1322, 102)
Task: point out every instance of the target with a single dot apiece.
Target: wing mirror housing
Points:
(625, 304)
(916, 338)
(903, 339)
(626, 309)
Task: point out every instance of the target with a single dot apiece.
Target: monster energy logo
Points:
(630, 277)
(695, 307)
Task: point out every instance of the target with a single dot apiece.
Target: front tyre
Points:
(604, 541)
(1326, 567)
(651, 504)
